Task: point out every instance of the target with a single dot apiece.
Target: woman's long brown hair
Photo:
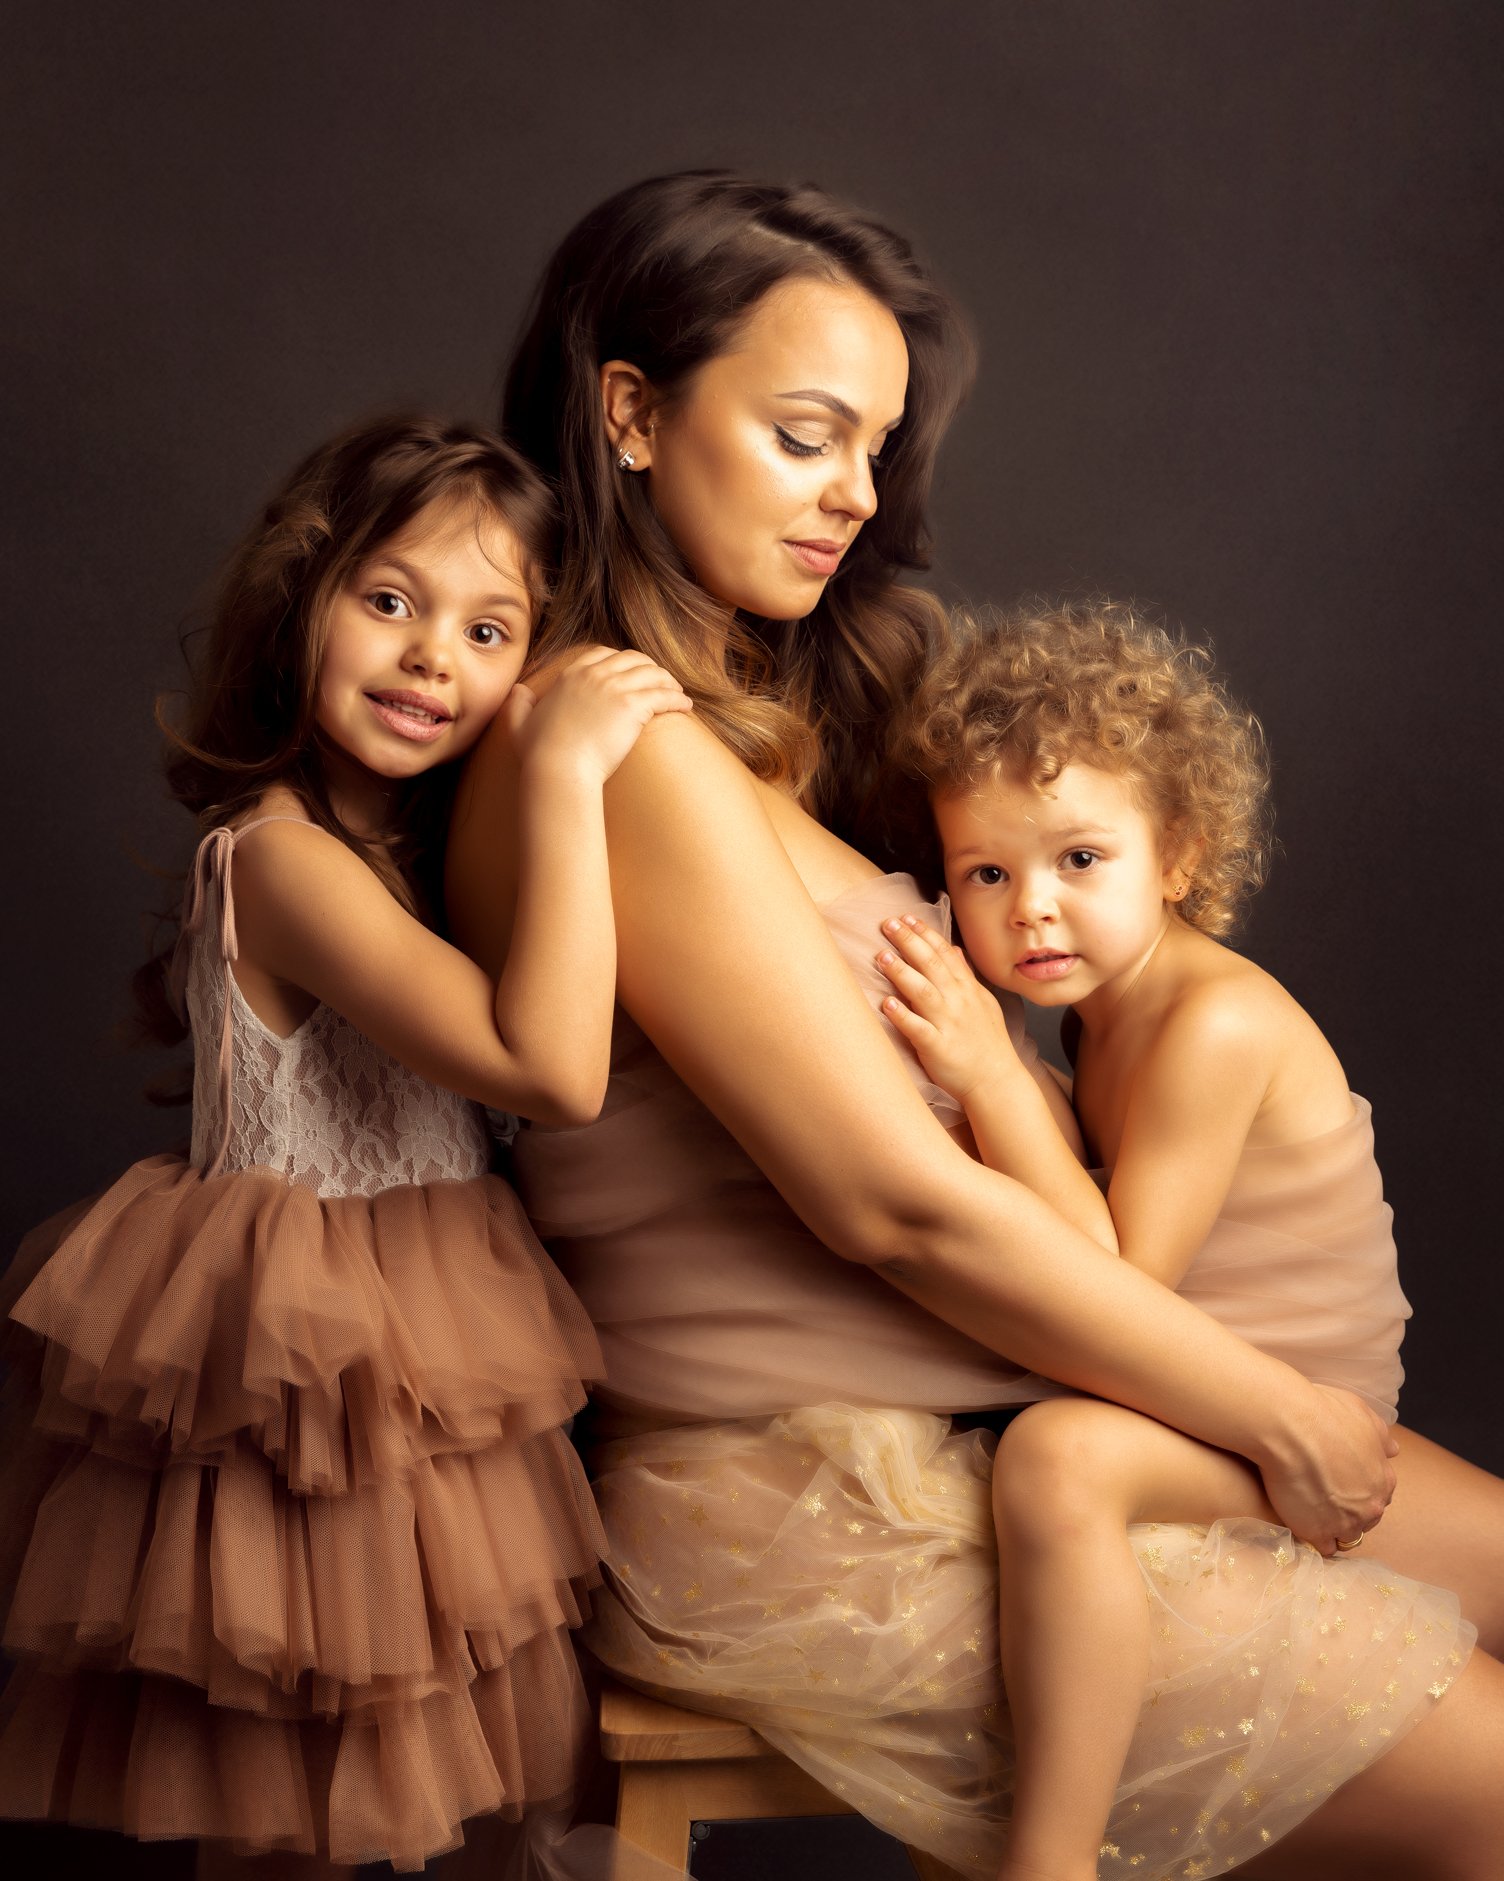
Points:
(245, 721)
(661, 275)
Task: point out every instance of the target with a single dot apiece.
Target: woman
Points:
(740, 390)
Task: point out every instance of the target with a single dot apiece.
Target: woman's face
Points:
(761, 467)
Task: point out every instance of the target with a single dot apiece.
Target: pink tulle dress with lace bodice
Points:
(303, 1536)
(800, 1523)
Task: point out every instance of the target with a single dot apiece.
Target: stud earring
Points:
(625, 459)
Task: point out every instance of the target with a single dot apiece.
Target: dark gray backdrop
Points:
(1235, 272)
(1235, 275)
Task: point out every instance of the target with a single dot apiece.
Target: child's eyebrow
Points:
(517, 598)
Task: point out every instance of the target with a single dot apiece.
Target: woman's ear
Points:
(626, 399)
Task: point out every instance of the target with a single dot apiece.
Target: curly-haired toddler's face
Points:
(1061, 892)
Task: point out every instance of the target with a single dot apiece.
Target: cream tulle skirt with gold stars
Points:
(830, 1577)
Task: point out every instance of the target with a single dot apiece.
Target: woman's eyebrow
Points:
(812, 395)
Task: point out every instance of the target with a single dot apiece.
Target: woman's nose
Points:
(852, 490)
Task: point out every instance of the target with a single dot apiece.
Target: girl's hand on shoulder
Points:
(954, 1024)
(592, 714)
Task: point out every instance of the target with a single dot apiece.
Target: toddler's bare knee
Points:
(1053, 1476)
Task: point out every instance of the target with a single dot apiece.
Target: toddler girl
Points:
(1101, 807)
(312, 1537)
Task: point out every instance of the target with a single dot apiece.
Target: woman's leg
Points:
(1070, 1477)
(1430, 1809)
(1446, 1526)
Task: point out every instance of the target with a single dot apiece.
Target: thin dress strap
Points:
(211, 869)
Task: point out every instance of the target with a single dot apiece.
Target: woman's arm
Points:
(710, 913)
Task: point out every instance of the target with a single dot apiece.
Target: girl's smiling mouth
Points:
(415, 715)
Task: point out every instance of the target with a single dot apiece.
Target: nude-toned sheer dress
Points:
(799, 1538)
(312, 1539)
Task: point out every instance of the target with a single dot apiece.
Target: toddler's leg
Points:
(1071, 1475)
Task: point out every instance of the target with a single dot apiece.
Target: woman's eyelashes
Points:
(803, 447)
(798, 447)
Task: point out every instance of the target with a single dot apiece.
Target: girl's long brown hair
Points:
(245, 721)
(661, 275)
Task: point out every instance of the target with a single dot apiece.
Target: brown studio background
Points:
(1235, 273)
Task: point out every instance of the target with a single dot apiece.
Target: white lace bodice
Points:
(325, 1106)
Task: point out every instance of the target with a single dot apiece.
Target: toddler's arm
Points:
(958, 1033)
(1195, 1093)
(537, 1041)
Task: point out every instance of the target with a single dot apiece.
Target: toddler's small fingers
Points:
(915, 988)
(906, 1021)
(916, 924)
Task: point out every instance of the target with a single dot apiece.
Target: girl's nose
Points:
(1033, 902)
(430, 651)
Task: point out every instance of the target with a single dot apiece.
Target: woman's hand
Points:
(1332, 1479)
(593, 713)
(954, 1024)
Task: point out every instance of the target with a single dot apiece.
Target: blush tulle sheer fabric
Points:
(801, 1537)
(303, 1538)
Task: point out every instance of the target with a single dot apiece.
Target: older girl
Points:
(312, 1538)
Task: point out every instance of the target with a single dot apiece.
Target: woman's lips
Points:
(1046, 966)
(820, 558)
(411, 715)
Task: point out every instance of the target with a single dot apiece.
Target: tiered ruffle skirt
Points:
(300, 1537)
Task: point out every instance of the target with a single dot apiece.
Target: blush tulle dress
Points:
(303, 1537)
(799, 1515)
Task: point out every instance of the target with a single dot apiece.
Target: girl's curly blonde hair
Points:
(1026, 693)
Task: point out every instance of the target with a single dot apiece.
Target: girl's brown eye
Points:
(391, 606)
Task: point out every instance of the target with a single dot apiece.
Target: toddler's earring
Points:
(624, 459)
(1180, 891)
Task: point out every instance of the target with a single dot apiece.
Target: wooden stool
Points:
(679, 1767)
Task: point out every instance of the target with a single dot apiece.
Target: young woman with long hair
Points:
(803, 1286)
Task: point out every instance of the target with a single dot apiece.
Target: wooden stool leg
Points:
(652, 1813)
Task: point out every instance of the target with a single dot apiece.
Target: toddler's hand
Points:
(954, 1024)
(592, 715)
